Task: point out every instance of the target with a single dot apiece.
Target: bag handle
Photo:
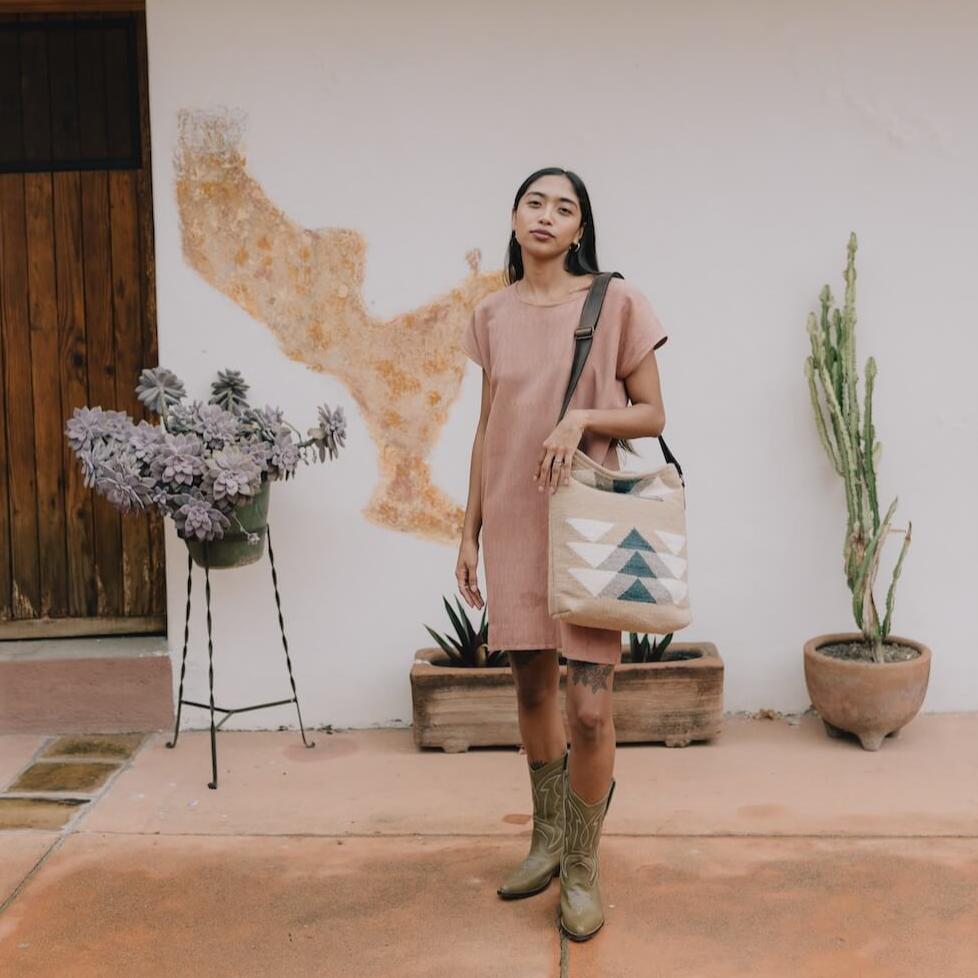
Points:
(583, 337)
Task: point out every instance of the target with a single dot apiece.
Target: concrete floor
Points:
(773, 851)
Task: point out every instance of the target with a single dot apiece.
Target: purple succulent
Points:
(159, 389)
(330, 435)
(121, 481)
(198, 518)
(92, 460)
(179, 460)
(260, 452)
(265, 423)
(232, 474)
(201, 460)
(145, 439)
(218, 427)
(284, 456)
(230, 391)
(85, 426)
(184, 419)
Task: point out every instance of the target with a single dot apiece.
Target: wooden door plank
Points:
(35, 95)
(18, 399)
(147, 282)
(46, 384)
(124, 213)
(64, 94)
(91, 95)
(11, 148)
(100, 334)
(119, 115)
(73, 362)
(11, 119)
(34, 628)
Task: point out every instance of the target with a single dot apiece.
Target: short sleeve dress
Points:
(527, 351)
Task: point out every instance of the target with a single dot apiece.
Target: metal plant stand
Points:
(210, 659)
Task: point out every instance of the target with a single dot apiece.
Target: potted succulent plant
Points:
(464, 696)
(207, 466)
(869, 683)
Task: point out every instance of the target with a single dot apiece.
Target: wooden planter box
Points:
(675, 702)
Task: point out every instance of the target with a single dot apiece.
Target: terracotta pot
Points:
(872, 700)
(675, 701)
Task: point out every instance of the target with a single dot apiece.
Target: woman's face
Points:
(549, 206)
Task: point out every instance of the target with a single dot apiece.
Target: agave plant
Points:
(470, 648)
(642, 650)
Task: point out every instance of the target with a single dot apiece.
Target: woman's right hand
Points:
(466, 571)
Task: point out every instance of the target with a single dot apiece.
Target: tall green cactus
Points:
(853, 450)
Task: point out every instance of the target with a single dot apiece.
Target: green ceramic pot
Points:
(233, 549)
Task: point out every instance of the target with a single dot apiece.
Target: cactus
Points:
(850, 442)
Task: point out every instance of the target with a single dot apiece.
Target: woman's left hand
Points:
(558, 451)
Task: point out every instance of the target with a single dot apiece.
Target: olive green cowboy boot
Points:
(581, 913)
(542, 863)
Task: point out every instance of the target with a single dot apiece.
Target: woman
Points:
(523, 338)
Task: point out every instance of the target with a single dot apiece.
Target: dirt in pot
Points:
(670, 655)
(860, 651)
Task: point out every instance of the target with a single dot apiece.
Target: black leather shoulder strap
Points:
(583, 337)
(584, 334)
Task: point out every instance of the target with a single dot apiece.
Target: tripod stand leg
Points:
(285, 641)
(210, 665)
(186, 639)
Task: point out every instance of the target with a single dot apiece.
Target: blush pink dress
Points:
(526, 351)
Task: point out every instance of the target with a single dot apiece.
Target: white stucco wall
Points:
(729, 149)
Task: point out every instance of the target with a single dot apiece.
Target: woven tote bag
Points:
(617, 539)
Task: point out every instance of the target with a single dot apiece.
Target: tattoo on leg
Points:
(591, 674)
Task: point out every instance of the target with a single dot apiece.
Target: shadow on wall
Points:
(305, 286)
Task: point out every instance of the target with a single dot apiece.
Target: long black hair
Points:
(583, 260)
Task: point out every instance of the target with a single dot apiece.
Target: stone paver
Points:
(85, 776)
(95, 745)
(38, 813)
(153, 906)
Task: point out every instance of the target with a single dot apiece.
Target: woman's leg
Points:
(537, 680)
(592, 728)
(587, 795)
(542, 729)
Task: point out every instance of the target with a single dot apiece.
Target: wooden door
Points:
(77, 318)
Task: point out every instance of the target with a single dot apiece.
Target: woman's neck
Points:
(545, 281)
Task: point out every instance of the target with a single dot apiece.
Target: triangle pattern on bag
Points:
(677, 589)
(594, 553)
(635, 541)
(594, 580)
(636, 566)
(590, 529)
(674, 541)
(637, 592)
(676, 565)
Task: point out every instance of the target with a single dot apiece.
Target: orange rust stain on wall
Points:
(305, 285)
(399, 380)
